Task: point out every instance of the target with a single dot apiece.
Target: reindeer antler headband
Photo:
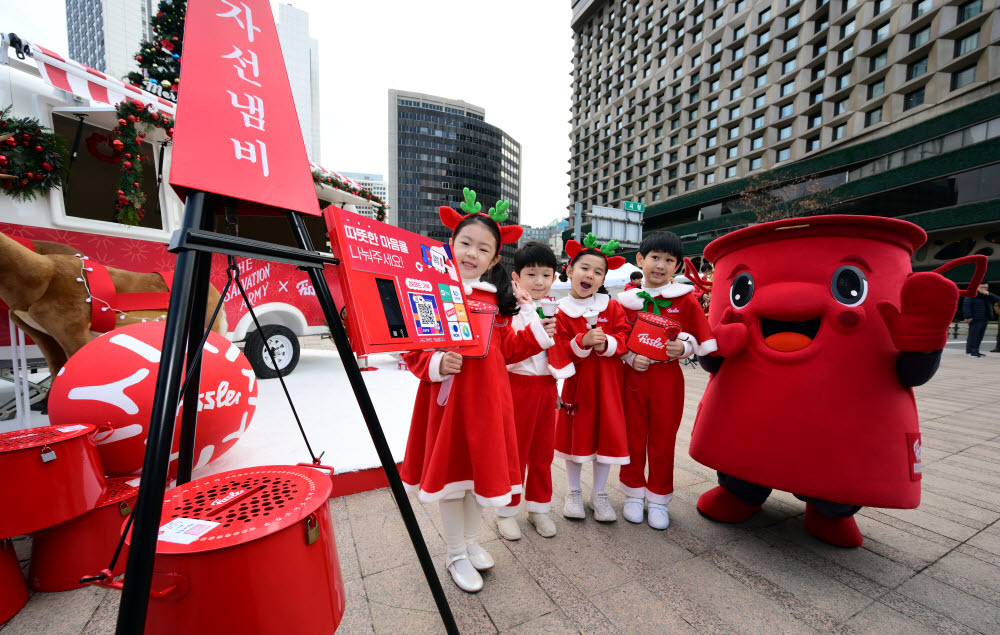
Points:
(590, 245)
(498, 214)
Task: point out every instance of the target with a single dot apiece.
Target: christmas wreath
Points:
(132, 114)
(31, 159)
(379, 205)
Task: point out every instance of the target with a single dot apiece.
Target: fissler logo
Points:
(219, 398)
(228, 497)
(649, 340)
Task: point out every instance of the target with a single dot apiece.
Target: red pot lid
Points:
(658, 320)
(38, 437)
(236, 507)
(892, 230)
(119, 488)
(478, 306)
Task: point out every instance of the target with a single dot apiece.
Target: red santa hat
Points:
(509, 234)
(590, 246)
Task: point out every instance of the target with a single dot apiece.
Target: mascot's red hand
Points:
(927, 305)
(731, 334)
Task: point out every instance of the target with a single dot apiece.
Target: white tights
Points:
(460, 519)
(601, 472)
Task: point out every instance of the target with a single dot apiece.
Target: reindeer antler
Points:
(470, 206)
(499, 213)
(609, 249)
(590, 242)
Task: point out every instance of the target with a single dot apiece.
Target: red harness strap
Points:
(102, 318)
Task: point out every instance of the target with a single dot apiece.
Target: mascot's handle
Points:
(691, 272)
(980, 261)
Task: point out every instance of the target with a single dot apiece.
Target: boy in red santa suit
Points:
(654, 391)
(462, 446)
(591, 330)
(534, 388)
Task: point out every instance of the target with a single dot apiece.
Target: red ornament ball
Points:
(127, 165)
(136, 184)
(112, 379)
(128, 155)
(155, 116)
(117, 144)
(39, 149)
(4, 160)
(138, 58)
(30, 175)
(121, 122)
(131, 118)
(46, 166)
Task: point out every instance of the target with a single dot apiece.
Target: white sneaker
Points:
(543, 524)
(573, 508)
(464, 574)
(603, 511)
(479, 557)
(508, 528)
(634, 508)
(658, 516)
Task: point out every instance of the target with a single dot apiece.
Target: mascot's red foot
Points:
(720, 504)
(842, 532)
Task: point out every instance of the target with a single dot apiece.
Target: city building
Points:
(881, 106)
(438, 146)
(374, 183)
(540, 234)
(105, 34)
(302, 63)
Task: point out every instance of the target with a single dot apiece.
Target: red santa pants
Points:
(654, 403)
(535, 420)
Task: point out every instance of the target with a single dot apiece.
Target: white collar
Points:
(630, 299)
(576, 308)
(476, 283)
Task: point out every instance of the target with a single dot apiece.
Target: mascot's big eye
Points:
(742, 290)
(849, 286)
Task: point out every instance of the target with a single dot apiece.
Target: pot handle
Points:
(166, 586)
(104, 427)
(980, 261)
(319, 466)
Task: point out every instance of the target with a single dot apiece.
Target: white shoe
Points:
(464, 574)
(658, 516)
(508, 528)
(543, 524)
(603, 511)
(480, 558)
(634, 508)
(573, 508)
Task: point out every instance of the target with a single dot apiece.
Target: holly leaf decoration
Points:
(590, 242)
(470, 206)
(499, 213)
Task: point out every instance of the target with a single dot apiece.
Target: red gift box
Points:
(650, 335)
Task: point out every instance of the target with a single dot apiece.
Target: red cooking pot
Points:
(13, 590)
(50, 474)
(650, 334)
(61, 555)
(247, 551)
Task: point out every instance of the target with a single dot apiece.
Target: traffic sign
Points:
(633, 206)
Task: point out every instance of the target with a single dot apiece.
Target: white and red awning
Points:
(90, 84)
(339, 177)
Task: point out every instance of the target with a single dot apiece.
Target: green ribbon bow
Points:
(653, 305)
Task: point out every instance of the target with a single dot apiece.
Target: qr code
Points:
(425, 312)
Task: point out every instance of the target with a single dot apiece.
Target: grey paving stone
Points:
(347, 552)
(510, 595)
(924, 519)
(956, 510)
(633, 609)
(987, 541)
(879, 619)
(377, 501)
(57, 613)
(357, 617)
(969, 574)
(554, 623)
(954, 603)
(383, 543)
(900, 542)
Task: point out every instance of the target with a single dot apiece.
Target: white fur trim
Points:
(574, 457)
(612, 460)
(457, 489)
(704, 348)
(541, 336)
(688, 342)
(576, 308)
(611, 348)
(630, 299)
(658, 499)
(634, 492)
(482, 285)
(434, 367)
(538, 508)
(565, 372)
(580, 352)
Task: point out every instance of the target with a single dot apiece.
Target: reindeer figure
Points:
(49, 299)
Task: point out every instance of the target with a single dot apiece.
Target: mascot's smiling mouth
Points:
(788, 337)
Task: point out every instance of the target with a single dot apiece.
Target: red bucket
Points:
(13, 590)
(481, 317)
(51, 474)
(61, 555)
(247, 551)
(650, 335)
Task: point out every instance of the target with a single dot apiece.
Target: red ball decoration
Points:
(128, 155)
(226, 402)
(30, 175)
(121, 122)
(170, 132)
(46, 166)
(117, 144)
(39, 149)
(4, 160)
(11, 141)
(138, 58)
(39, 177)
(131, 118)
(127, 165)
(154, 116)
(136, 184)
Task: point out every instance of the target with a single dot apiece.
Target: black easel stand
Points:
(194, 244)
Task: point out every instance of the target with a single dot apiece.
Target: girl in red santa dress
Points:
(462, 446)
(592, 330)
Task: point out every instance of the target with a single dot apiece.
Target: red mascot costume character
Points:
(822, 331)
